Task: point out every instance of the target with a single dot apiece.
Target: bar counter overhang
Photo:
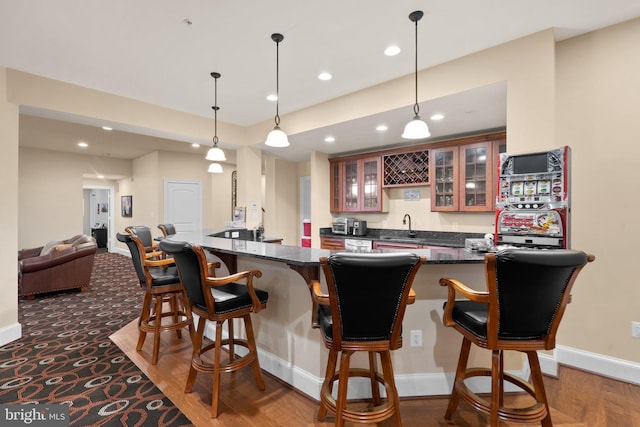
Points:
(290, 349)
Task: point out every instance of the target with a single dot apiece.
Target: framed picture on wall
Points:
(126, 203)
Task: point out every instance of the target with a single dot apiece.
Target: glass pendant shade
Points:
(277, 138)
(216, 154)
(416, 129)
(215, 168)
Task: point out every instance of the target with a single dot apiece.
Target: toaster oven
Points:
(342, 225)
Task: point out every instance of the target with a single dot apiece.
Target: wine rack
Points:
(405, 169)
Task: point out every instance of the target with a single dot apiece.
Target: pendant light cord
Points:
(277, 37)
(277, 118)
(215, 108)
(416, 107)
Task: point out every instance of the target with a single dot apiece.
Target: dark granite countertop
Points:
(431, 238)
(298, 256)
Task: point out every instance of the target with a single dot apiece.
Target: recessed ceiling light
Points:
(324, 76)
(194, 145)
(107, 128)
(83, 144)
(437, 116)
(272, 98)
(101, 176)
(392, 50)
(329, 139)
(381, 128)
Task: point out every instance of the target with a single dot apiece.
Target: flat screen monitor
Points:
(530, 163)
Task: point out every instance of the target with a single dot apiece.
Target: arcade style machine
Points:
(532, 204)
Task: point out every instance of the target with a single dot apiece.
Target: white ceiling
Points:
(146, 50)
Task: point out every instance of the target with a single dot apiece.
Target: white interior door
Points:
(183, 204)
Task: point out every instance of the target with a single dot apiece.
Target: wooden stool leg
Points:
(251, 342)
(156, 330)
(538, 385)
(232, 351)
(373, 369)
(332, 361)
(216, 371)
(175, 309)
(343, 382)
(496, 391)
(460, 370)
(197, 345)
(188, 314)
(143, 319)
(392, 392)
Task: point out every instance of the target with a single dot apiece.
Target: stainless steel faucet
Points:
(404, 222)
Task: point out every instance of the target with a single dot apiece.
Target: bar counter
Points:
(292, 350)
(303, 257)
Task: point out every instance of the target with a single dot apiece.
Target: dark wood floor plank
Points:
(578, 399)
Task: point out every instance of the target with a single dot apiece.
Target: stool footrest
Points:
(536, 412)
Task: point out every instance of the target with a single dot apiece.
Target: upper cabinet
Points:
(463, 175)
(356, 185)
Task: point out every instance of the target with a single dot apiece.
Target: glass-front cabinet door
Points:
(356, 185)
(443, 173)
(371, 180)
(335, 203)
(351, 184)
(476, 183)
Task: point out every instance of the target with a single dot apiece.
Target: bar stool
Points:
(527, 293)
(144, 234)
(363, 311)
(167, 229)
(219, 300)
(161, 284)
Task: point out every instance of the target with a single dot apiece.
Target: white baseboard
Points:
(121, 251)
(599, 364)
(10, 333)
(439, 384)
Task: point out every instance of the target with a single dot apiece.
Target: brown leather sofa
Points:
(60, 265)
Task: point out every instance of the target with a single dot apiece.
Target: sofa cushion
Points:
(49, 247)
(62, 247)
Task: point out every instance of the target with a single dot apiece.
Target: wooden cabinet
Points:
(331, 243)
(463, 176)
(356, 185)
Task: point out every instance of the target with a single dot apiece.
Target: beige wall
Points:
(9, 327)
(50, 185)
(584, 95)
(281, 200)
(598, 81)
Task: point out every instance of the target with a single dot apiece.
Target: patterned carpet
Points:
(65, 354)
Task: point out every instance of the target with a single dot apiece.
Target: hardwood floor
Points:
(577, 398)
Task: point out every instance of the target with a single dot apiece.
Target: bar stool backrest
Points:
(368, 294)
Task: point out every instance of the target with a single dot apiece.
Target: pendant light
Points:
(416, 128)
(215, 168)
(277, 138)
(215, 154)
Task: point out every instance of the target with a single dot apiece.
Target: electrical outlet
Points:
(416, 338)
(635, 329)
